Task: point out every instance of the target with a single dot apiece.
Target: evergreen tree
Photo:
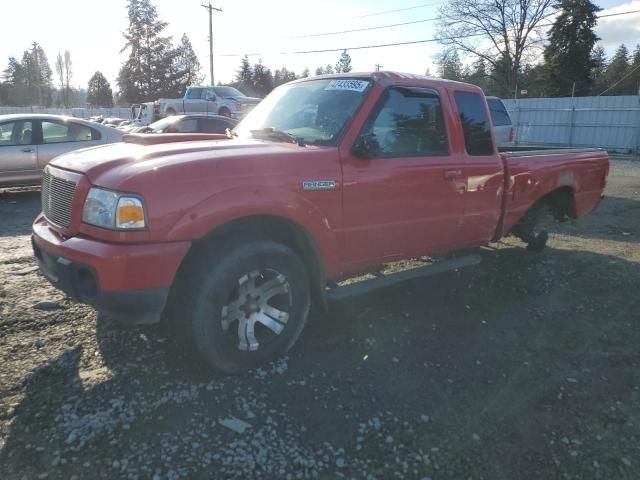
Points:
(244, 75)
(185, 68)
(262, 78)
(532, 79)
(149, 70)
(305, 73)
(598, 69)
(320, 71)
(283, 76)
(449, 65)
(344, 63)
(634, 78)
(328, 70)
(478, 74)
(618, 68)
(99, 92)
(15, 84)
(568, 55)
(37, 76)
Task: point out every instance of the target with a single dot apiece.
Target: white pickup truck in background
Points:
(227, 101)
(222, 100)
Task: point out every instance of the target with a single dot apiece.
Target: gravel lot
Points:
(523, 367)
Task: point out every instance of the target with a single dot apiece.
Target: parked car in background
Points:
(227, 101)
(502, 126)
(29, 141)
(190, 124)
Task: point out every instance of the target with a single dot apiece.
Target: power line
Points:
(616, 14)
(398, 10)
(413, 22)
(623, 78)
(363, 29)
(362, 47)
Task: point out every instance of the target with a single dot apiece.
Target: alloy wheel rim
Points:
(261, 299)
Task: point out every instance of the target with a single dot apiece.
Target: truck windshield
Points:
(314, 111)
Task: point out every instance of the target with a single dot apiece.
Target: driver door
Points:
(407, 199)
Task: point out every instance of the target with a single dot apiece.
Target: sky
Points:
(92, 31)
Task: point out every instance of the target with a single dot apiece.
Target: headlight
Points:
(107, 209)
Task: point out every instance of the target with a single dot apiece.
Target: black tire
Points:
(526, 228)
(225, 112)
(208, 285)
(170, 112)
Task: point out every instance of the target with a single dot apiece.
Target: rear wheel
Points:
(527, 229)
(244, 305)
(170, 112)
(224, 111)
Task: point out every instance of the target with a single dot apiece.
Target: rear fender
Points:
(527, 189)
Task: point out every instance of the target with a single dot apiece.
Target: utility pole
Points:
(378, 67)
(211, 9)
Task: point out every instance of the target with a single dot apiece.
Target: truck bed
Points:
(534, 173)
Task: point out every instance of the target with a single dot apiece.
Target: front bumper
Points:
(128, 282)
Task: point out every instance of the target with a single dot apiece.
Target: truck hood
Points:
(112, 165)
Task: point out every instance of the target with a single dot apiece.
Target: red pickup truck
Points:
(231, 238)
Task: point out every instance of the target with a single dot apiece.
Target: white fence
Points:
(120, 112)
(607, 122)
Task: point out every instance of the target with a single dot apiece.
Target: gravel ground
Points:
(525, 367)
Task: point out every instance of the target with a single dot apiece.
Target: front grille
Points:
(57, 199)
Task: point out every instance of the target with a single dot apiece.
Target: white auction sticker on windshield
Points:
(353, 85)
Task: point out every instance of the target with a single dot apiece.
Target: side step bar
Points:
(366, 286)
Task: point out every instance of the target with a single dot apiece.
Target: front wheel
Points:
(245, 305)
(225, 112)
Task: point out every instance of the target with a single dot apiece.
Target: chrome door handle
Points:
(27, 150)
(451, 174)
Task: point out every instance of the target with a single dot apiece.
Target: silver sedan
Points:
(29, 141)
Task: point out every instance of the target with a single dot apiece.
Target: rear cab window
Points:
(475, 123)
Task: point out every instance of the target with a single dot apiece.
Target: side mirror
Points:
(366, 146)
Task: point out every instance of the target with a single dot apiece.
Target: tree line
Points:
(154, 67)
(503, 47)
(259, 80)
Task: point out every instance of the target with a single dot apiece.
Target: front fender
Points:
(322, 222)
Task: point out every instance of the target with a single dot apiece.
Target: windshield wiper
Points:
(273, 132)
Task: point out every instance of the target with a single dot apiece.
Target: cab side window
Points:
(195, 93)
(408, 123)
(19, 132)
(475, 124)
